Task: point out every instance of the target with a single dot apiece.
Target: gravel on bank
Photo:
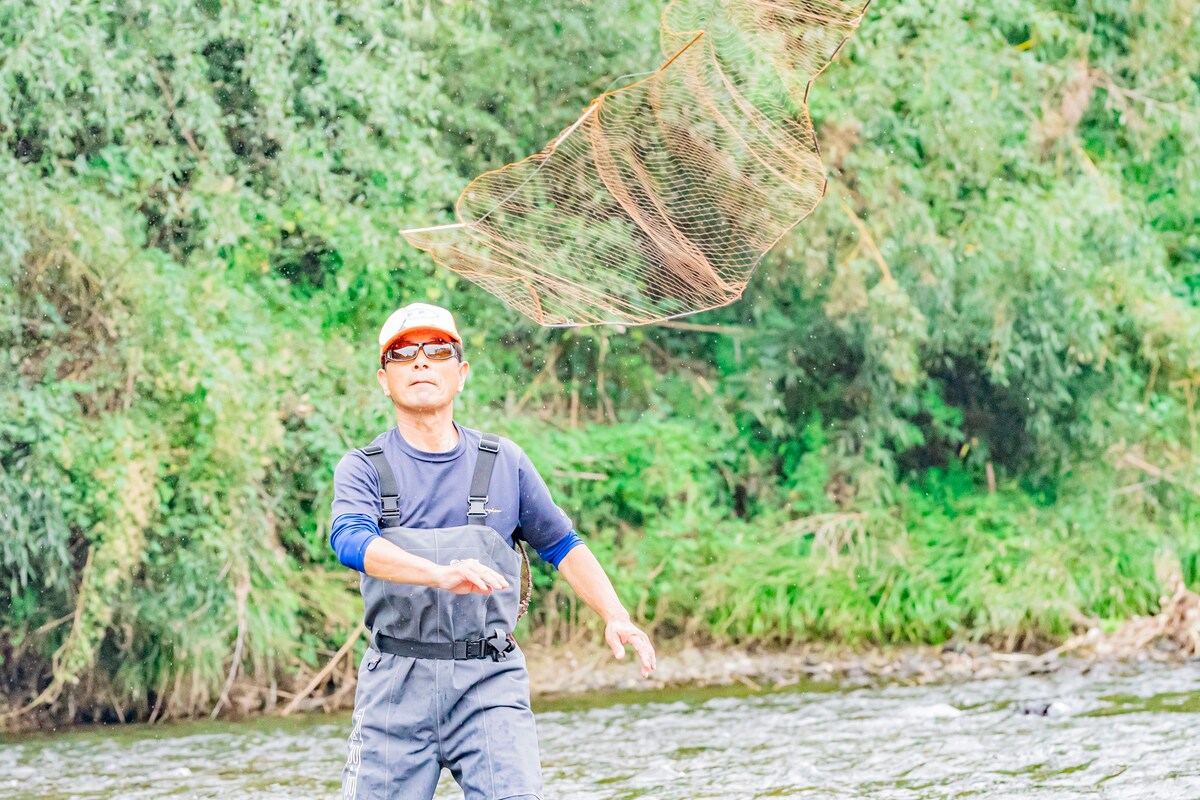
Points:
(1172, 635)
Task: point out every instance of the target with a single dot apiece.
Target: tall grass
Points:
(1007, 568)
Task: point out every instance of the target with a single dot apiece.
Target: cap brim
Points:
(422, 329)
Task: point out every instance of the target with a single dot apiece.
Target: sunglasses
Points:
(434, 351)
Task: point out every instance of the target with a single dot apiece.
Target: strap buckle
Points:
(390, 514)
(489, 446)
(470, 648)
(476, 506)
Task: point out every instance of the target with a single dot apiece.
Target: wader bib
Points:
(443, 683)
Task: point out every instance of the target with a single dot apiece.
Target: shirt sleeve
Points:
(350, 537)
(557, 552)
(543, 524)
(356, 487)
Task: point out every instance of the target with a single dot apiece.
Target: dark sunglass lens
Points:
(406, 353)
(439, 352)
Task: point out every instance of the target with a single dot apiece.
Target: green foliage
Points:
(198, 215)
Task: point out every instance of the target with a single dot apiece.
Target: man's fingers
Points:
(649, 659)
(618, 647)
(475, 580)
(645, 650)
(636, 638)
(472, 576)
(464, 580)
(480, 578)
(492, 578)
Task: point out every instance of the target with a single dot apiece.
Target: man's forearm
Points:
(389, 562)
(585, 575)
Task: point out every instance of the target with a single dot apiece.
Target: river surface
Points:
(1117, 732)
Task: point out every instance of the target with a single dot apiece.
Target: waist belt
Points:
(496, 647)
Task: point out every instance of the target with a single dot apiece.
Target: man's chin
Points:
(422, 405)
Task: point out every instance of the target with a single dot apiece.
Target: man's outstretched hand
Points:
(620, 632)
(587, 578)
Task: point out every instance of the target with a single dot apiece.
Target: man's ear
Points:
(464, 370)
(381, 376)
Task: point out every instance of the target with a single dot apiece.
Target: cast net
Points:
(663, 196)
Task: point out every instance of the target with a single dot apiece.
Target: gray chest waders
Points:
(443, 683)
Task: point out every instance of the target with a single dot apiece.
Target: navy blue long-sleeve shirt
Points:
(433, 491)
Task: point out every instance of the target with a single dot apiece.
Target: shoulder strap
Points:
(388, 492)
(489, 448)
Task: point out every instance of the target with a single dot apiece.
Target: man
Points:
(429, 512)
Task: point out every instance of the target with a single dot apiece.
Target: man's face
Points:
(422, 385)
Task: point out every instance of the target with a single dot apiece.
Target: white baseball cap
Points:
(414, 317)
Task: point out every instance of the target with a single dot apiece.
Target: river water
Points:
(1115, 732)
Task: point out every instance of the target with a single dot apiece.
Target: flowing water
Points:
(1118, 732)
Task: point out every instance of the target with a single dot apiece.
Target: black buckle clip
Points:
(471, 648)
(501, 643)
(489, 446)
(476, 506)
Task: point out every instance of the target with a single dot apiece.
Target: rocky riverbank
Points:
(1173, 635)
(557, 672)
(586, 665)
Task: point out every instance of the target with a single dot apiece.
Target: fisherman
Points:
(430, 513)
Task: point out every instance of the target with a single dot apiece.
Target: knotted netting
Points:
(663, 196)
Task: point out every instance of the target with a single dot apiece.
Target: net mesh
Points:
(663, 196)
